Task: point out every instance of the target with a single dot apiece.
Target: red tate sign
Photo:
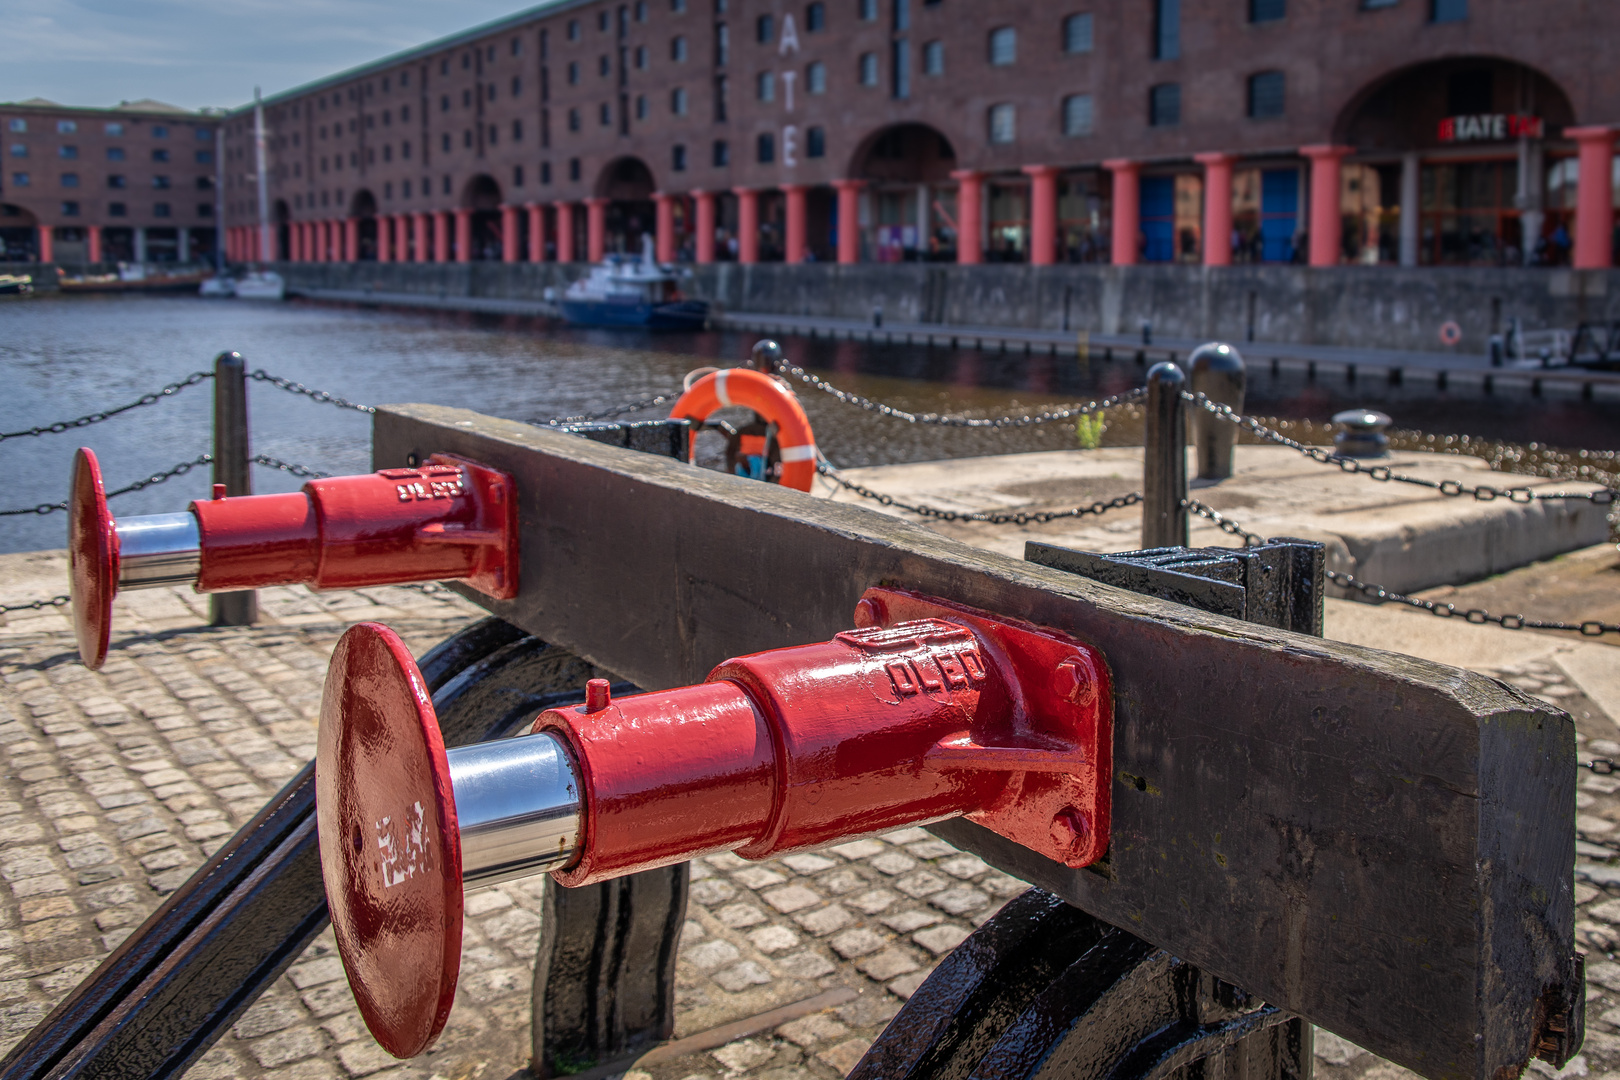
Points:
(1489, 127)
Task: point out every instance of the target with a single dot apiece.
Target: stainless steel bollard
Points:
(1164, 460)
(233, 465)
(1217, 372)
(765, 356)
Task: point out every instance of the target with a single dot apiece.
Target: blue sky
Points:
(197, 53)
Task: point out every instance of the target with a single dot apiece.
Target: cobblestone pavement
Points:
(115, 785)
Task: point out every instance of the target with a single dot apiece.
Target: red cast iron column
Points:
(1594, 198)
(565, 232)
(704, 203)
(849, 220)
(796, 223)
(1327, 225)
(1217, 207)
(596, 229)
(1127, 223)
(509, 234)
(1043, 220)
(665, 204)
(537, 232)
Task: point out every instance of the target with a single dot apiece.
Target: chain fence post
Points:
(233, 465)
(1216, 372)
(1164, 460)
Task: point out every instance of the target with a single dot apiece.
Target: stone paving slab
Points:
(115, 785)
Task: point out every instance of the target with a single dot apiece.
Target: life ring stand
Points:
(1450, 332)
(762, 393)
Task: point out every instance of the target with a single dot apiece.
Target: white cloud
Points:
(209, 52)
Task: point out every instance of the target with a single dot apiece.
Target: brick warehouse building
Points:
(135, 183)
(1321, 131)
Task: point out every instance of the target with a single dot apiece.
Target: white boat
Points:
(629, 292)
(261, 285)
(217, 288)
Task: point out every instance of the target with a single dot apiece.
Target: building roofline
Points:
(172, 113)
(528, 15)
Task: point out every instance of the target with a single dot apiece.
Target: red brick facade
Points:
(134, 183)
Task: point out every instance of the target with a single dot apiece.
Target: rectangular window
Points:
(517, 176)
(815, 78)
(641, 106)
(678, 158)
(1077, 34)
(159, 131)
(160, 155)
(765, 30)
(517, 86)
(545, 172)
(815, 18)
(1166, 29)
(1003, 46)
(722, 98)
(573, 123)
(1003, 124)
(766, 146)
(604, 113)
(66, 127)
(117, 209)
(20, 179)
(641, 58)
(115, 153)
(71, 209)
(677, 49)
(677, 6)
(901, 65)
(161, 210)
(204, 157)
(573, 76)
(869, 69)
(722, 45)
(722, 153)
(766, 86)
(677, 101)
(815, 142)
(116, 181)
(204, 135)
(18, 124)
(1077, 115)
(1442, 11)
(934, 58)
(573, 169)
(67, 153)
(115, 130)
(902, 16)
(1164, 105)
(869, 10)
(19, 149)
(161, 183)
(1266, 94)
(1267, 10)
(70, 179)
(641, 10)
(205, 210)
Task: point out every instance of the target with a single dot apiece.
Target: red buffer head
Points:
(92, 559)
(390, 849)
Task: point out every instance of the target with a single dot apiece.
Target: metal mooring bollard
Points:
(1164, 460)
(1217, 373)
(233, 467)
(766, 356)
(1361, 433)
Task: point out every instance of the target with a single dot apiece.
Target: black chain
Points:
(1382, 473)
(1224, 523)
(617, 410)
(1478, 616)
(325, 398)
(1601, 766)
(962, 421)
(107, 414)
(303, 471)
(37, 605)
(139, 485)
(1022, 517)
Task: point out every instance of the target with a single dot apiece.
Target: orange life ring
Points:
(771, 400)
(1450, 332)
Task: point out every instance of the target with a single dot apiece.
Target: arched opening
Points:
(628, 184)
(1458, 163)
(19, 234)
(910, 201)
(362, 206)
(283, 219)
(482, 195)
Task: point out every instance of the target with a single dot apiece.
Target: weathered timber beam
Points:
(1377, 843)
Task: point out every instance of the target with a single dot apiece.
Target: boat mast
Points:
(219, 197)
(264, 189)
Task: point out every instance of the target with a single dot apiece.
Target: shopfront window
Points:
(1172, 217)
(1468, 216)
(1009, 222)
(1265, 215)
(1083, 214)
(1369, 200)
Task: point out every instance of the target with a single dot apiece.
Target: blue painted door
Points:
(1279, 214)
(1159, 218)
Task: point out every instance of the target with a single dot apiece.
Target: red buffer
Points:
(448, 519)
(927, 710)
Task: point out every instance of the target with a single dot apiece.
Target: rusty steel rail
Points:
(1277, 796)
